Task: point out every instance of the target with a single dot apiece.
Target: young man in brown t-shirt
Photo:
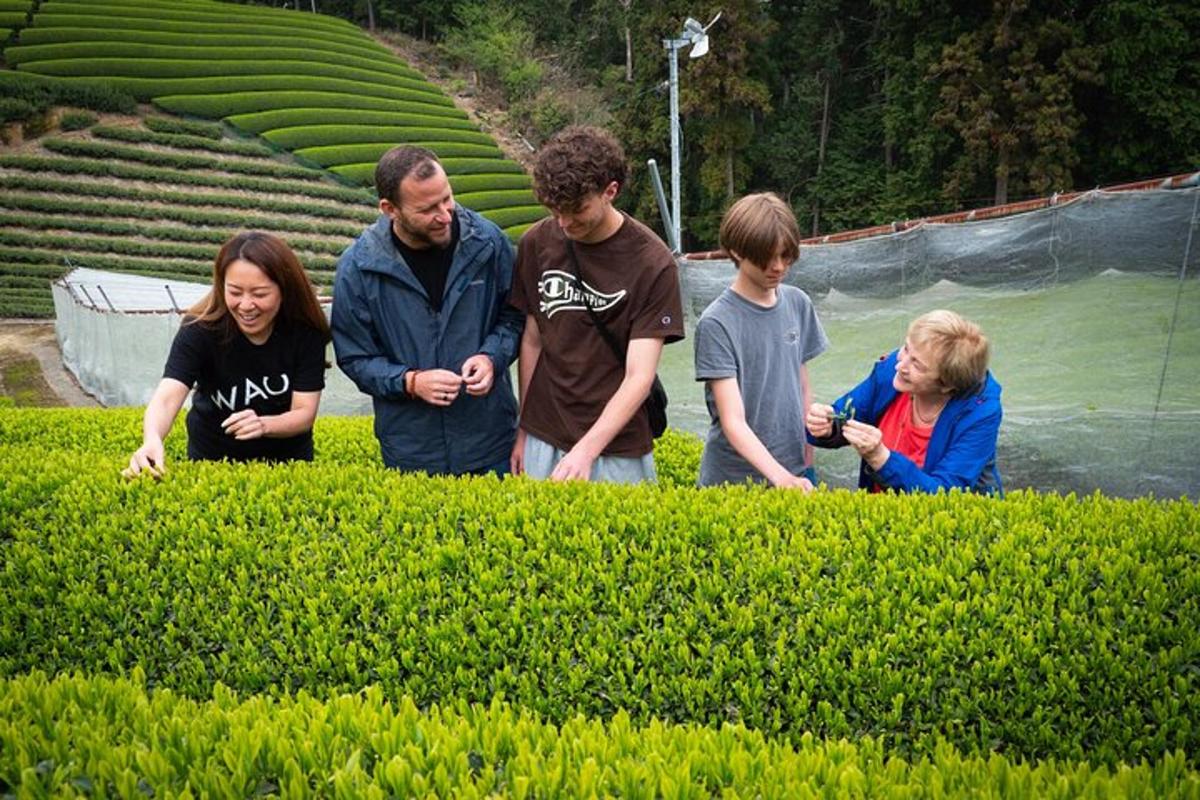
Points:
(581, 407)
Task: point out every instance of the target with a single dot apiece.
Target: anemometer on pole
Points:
(695, 35)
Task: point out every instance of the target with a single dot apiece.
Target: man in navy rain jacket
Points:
(421, 323)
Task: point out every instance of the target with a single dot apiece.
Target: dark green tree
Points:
(1145, 120)
(1008, 90)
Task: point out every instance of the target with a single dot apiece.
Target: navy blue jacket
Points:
(962, 447)
(383, 325)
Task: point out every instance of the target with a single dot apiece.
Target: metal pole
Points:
(104, 294)
(673, 46)
(88, 295)
(668, 225)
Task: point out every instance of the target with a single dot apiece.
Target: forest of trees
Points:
(858, 111)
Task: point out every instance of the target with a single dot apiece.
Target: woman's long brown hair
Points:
(298, 296)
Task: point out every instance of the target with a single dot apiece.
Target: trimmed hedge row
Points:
(346, 441)
(39, 272)
(207, 219)
(302, 136)
(41, 275)
(268, 121)
(35, 260)
(517, 231)
(182, 141)
(320, 24)
(26, 308)
(77, 120)
(22, 281)
(364, 173)
(174, 270)
(520, 215)
(485, 201)
(121, 245)
(338, 155)
(57, 35)
(179, 161)
(468, 184)
(13, 19)
(43, 92)
(27, 301)
(84, 48)
(233, 104)
(80, 166)
(76, 244)
(23, 293)
(115, 737)
(355, 215)
(174, 69)
(152, 88)
(171, 234)
(144, 3)
(185, 127)
(1040, 626)
(47, 19)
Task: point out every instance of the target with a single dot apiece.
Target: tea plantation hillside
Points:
(312, 84)
(157, 196)
(334, 628)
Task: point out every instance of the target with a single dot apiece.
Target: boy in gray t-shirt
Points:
(752, 344)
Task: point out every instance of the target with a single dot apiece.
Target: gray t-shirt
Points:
(764, 349)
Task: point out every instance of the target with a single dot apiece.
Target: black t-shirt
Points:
(230, 375)
(431, 265)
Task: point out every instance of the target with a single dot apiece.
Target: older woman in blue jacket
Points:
(928, 415)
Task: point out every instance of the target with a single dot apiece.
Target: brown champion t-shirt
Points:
(633, 283)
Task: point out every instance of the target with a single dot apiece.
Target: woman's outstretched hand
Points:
(867, 440)
(149, 458)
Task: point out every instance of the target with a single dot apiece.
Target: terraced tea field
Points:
(157, 196)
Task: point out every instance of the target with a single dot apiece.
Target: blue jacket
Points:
(383, 325)
(962, 447)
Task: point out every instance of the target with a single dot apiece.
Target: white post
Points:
(672, 46)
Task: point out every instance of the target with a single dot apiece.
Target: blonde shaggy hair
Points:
(961, 349)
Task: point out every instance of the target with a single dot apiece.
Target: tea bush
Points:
(178, 161)
(182, 141)
(214, 65)
(107, 736)
(337, 155)
(270, 122)
(97, 167)
(1039, 626)
(234, 104)
(302, 136)
(152, 88)
(311, 43)
(77, 120)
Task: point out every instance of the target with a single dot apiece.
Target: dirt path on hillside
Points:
(21, 341)
(425, 58)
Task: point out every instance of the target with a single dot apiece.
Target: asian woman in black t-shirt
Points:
(254, 350)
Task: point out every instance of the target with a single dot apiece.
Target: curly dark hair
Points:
(578, 161)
